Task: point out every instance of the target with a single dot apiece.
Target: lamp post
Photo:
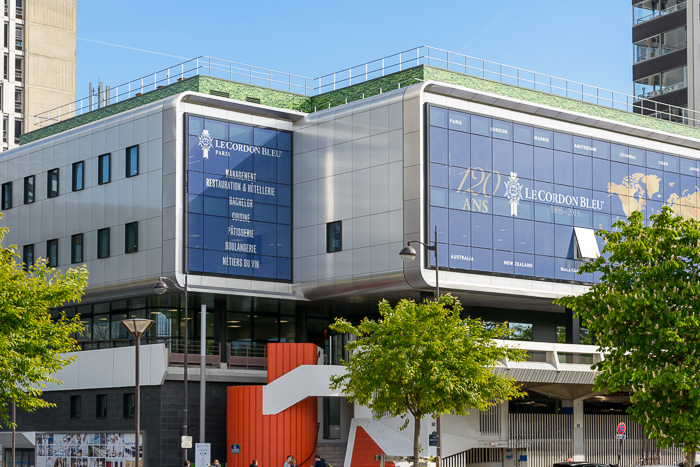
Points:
(160, 287)
(408, 253)
(137, 327)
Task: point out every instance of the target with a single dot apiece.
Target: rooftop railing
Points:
(424, 55)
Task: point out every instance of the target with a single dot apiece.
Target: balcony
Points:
(645, 11)
(235, 355)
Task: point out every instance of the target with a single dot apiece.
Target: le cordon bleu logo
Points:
(206, 143)
(514, 191)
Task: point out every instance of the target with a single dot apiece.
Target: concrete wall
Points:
(50, 56)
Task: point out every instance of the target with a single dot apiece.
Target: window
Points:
(103, 243)
(78, 175)
(334, 236)
(52, 252)
(27, 256)
(649, 9)
(661, 83)
(76, 248)
(29, 189)
(5, 122)
(585, 244)
(18, 9)
(19, 68)
(19, 37)
(101, 406)
(6, 66)
(132, 161)
(103, 166)
(6, 195)
(129, 405)
(131, 236)
(660, 44)
(74, 406)
(7, 7)
(18, 129)
(7, 34)
(52, 185)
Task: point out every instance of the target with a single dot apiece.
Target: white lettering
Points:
(499, 130)
(462, 257)
(628, 156)
(240, 232)
(587, 148)
(544, 139)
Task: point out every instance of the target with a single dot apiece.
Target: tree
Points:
(645, 315)
(32, 345)
(424, 359)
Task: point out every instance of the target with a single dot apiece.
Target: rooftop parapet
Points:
(297, 92)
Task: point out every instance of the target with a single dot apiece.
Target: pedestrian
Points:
(287, 463)
(254, 463)
(215, 464)
(187, 463)
(319, 462)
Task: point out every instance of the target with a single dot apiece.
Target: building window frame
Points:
(77, 248)
(103, 241)
(78, 179)
(27, 256)
(129, 405)
(6, 196)
(131, 237)
(19, 124)
(51, 177)
(104, 169)
(334, 236)
(19, 37)
(29, 189)
(101, 406)
(75, 406)
(52, 253)
(132, 161)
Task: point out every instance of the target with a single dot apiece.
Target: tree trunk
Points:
(416, 439)
(690, 458)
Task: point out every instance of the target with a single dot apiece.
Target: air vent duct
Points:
(214, 92)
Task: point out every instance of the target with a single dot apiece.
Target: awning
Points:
(23, 439)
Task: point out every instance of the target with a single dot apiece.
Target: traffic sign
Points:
(186, 442)
(621, 427)
(620, 436)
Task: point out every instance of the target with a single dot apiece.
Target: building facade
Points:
(39, 62)
(277, 212)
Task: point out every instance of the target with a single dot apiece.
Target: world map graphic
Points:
(634, 191)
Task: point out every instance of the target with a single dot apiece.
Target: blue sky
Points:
(121, 40)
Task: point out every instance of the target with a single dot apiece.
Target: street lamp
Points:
(160, 287)
(137, 327)
(408, 253)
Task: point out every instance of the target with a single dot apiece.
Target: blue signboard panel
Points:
(506, 197)
(239, 220)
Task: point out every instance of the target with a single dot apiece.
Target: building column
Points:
(578, 430)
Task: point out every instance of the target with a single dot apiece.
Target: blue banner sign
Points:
(239, 220)
(506, 197)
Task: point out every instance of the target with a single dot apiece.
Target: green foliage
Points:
(32, 345)
(424, 359)
(645, 315)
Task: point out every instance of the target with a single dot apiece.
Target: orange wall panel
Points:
(364, 450)
(270, 438)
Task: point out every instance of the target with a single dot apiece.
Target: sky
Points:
(121, 40)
